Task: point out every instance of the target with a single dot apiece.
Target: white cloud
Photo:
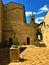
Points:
(35, 13)
(38, 12)
(28, 13)
(41, 10)
(39, 19)
(44, 8)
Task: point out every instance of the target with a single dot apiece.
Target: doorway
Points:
(10, 41)
(28, 40)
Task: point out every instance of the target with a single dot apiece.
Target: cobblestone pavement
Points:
(34, 56)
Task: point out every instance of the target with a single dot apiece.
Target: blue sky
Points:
(38, 7)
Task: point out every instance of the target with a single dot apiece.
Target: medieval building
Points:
(13, 24)
(45, 30)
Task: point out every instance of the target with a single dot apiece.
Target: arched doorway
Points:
(10, 41)
(28, 40)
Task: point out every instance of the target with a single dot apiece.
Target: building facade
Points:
(45, 29)
(13, 24)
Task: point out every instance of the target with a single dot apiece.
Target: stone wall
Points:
(1, 19)
(14, 25)
(45, 30)
(13, 20)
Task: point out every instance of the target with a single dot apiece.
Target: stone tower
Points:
(13, 21)
(32, 18)
(1, 19)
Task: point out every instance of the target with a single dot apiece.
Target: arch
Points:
(10, 41)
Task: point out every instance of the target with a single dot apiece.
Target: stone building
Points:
(45, 29)
(13, 24)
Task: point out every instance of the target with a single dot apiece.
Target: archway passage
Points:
(28, 40)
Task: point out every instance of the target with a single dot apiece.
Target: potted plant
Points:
(15, 44)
